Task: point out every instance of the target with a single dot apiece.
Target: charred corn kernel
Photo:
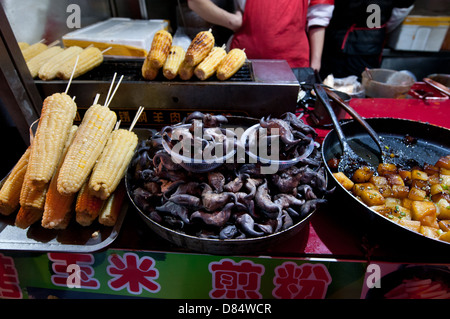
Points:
(58, 113)
(161, 43)
(208, 66)
(10, 191)
(57, 207)
(148, 72)
(186, 71)
(33, 50)
(112, 206)
(231, 64)
(89, 59)
(35, 64)
(27, 217)
(86, 147)
(87, 206)
(173, 62)
(49, 69)
(23, 45)
(199, 48)
(112, 163)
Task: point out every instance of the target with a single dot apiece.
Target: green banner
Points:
(148, 274)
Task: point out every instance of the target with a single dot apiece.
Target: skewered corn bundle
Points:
(49, 70)
(148, 72)
(58, 113)
(33, 50)
(112, 163)
(39, 60)
(10, 191)
(173, 62)
(209, 65)
(199, 48)
(58, 206)
(186, 71)
(231, 64)
(87, 207)
(89, 58)
(87, 146)
(159, 50)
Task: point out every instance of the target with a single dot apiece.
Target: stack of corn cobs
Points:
(49, 62)
(201, 58)
(233, 201)
(70, 170)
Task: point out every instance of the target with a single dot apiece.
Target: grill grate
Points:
(131, 71)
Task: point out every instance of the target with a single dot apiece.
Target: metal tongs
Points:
(349, 158)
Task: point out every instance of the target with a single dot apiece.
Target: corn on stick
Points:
(113, 205)
(87, 207)
(113, 162)
(57, 206)
(10, 191)
(27, 216)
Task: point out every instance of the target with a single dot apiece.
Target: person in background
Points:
(352, 42)
(291, 30)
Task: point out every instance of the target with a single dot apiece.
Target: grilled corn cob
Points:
(173, 62)
(112, 163)
(39, 60)
(199, 48)
(148, 72)
(87, 207)
(58, 206)
(89, 58)
(58, 113)
(186, 71)
(231, 64)
(33, 50)
(86, 147)
(49, 69)
(23, 45)
(208, 66)
(162, 41)
(10, 191)
(27, 216)
(112, 206)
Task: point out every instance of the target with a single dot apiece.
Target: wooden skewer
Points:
(53, 43)
(110, 87)
(97, 96)
(136, 117)
(71, 76)
(107, 49)
(117, 125)
(114, 92)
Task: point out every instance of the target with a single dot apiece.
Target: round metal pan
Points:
(219, 246)
(432, 143)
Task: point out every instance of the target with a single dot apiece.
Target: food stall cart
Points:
(333, 256)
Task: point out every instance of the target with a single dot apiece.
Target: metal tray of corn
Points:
(75, 238)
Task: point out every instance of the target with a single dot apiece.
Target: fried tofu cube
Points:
(425, 212)
(417, 194)
(372, 197)
(413, 225)
(344, 180)
(362, 174)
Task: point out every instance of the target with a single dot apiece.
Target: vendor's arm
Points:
(316, 40)
(212, 13)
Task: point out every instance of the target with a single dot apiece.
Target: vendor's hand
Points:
(315, 65)
(236, 21)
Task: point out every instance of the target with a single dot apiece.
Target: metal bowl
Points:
(278, 164)
(216, 246)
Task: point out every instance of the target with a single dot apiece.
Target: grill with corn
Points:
(88, 59)
(209, 65)
(233, 61)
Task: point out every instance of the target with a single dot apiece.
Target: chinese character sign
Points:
(236, 280)
(306, 281)
(9, 281)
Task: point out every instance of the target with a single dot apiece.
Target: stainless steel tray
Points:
(75, 238)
